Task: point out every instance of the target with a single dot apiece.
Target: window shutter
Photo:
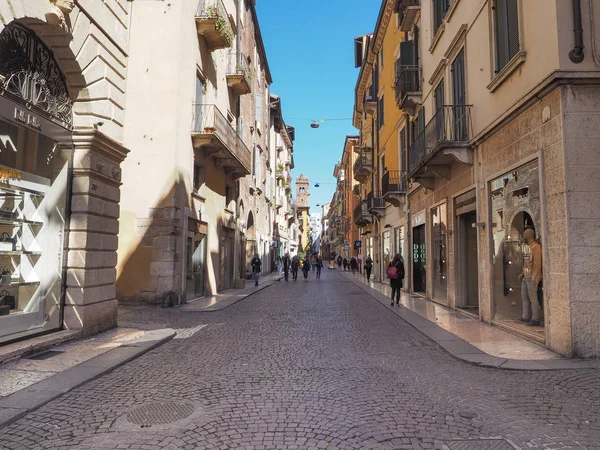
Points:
(512, 17)
(402, 146)
(407, 53)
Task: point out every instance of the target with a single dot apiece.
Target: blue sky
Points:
(309, 46)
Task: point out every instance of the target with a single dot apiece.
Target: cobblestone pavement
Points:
(312, 364)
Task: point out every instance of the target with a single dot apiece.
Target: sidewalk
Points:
(32, 381)
(229, 297)
(466, 338)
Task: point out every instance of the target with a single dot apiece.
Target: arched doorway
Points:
(35, 148)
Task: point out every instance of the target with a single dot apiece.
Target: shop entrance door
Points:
(196, 263)
(419, 259)
(469, 295)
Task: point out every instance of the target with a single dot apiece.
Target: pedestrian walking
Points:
(319, 266)
(286, 265)
(395, 273)
(306, 267)
(339, 262)
(345, 263)
(256, 265)
(353, 264)
(368, 267)
(295, 265)
(279, 268)
(313, 261)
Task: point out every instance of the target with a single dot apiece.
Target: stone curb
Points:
(464, 351)
(224, 304)
(20, 403)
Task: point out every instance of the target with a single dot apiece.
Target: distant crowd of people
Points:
(285, 265)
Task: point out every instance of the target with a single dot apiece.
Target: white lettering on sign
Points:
(28, 119)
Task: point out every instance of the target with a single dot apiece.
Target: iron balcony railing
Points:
(407, 80)
(393, 182)
(209, 120)
(361, 212)
(449, 127)
(237, 64)
(211, 8)
(364, 161)
(375, 200)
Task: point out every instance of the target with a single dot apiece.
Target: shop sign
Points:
(27, 119)
(357, 244)
(418, 219)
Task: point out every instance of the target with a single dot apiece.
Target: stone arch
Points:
(94, 64)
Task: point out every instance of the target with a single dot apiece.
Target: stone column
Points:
(91, 253)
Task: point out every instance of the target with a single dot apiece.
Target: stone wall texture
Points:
(581, 116)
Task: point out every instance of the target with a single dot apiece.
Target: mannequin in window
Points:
(58, 13)
(531, 277)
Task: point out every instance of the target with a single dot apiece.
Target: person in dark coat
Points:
(353, 264)
(339, 262)
(396, 276)
(256, 265)
(306, 267)
(295, 266)
(368, 267)
(319, 264)
(286, 265)
(345, 263)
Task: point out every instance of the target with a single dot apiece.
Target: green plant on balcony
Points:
(221, 25)
(280, 168)
(241, 70)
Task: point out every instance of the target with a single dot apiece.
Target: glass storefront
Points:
(399, 243)
(387, 250)
(196, 262)
(439, 242)
(516, 227)
(33, 194)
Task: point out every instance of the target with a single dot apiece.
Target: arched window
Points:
(30, 75)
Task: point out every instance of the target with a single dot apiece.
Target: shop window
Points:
(439, 243)
(516, 225)
(387, 249)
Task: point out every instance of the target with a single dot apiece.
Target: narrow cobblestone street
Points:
(311, 364)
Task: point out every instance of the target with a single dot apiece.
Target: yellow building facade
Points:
(491, 108)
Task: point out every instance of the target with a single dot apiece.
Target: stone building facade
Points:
(61, 162)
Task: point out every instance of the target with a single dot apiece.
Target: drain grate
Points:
(159, 414)
(481, 444)
(45, 355)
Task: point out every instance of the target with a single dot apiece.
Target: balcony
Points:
(407, 87)
(361, 215)
(407, 11)
(213, 133)
(213, 24)
(376, 204)
(444, 142)
(363, 166)
(393, 187)
(371, 100)
(239, 74)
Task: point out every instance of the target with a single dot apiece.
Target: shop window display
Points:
(399, 243)
(33, 191)
(439, 253)
(387, 249)
(517, 257)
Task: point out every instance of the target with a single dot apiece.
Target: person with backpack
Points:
(256, 265)
(295, 265)
(368, 267)
(395, 273)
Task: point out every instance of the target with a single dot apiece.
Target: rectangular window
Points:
(438, 96)
(380, 107)
(197, 175)
(506, 27)
(440, 8)
(258, 112)
(402, 147)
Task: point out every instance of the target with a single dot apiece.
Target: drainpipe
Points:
(576, 55)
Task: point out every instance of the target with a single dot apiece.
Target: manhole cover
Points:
(159, 414)
(481, 444)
